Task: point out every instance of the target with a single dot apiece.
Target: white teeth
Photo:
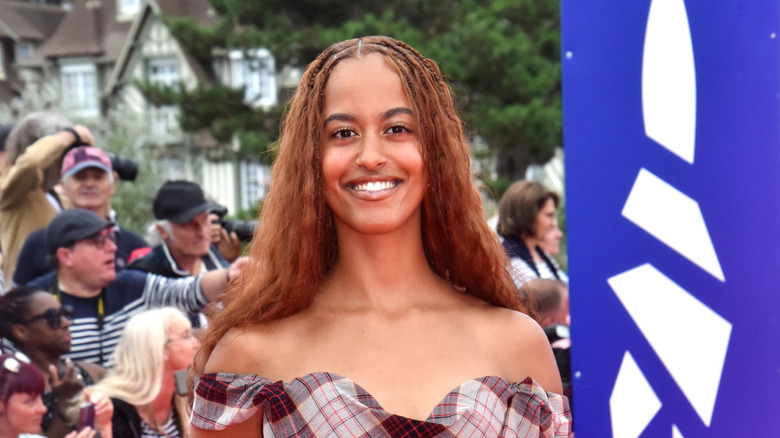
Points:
(375, 186)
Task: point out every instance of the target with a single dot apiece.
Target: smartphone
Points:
(86, 416)
(181, 382)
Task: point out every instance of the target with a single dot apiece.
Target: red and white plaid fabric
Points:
(328, 405)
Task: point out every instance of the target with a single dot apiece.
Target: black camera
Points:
(126, 168)
(243, 229)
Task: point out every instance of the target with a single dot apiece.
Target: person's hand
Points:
(235, 268)
(87, 432)
(104, 411)
(67, 138)
(68, 386)
(85, 134)
(228, 244)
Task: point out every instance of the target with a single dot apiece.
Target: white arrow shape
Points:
(673, 218)
(666, 315)
(633, 403)
(669, 79)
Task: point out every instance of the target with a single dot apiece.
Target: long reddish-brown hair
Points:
(294, 245)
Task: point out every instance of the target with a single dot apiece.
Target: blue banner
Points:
(672, 142)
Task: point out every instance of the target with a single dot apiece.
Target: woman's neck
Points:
(6, 431)
(379, 271)
(163, 403)
(42, 360)
(532, 242)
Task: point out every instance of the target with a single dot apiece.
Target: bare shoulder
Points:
(521, 347)
(239, 351)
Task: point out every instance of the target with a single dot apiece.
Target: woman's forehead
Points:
(43, 300)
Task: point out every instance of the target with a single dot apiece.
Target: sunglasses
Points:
(53, 317)
(99, 240)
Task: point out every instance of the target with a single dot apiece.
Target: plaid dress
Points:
(328, 405)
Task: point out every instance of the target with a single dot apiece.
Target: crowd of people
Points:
(374, 285)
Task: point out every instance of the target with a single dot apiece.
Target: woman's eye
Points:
(397, 129)
(344, 133)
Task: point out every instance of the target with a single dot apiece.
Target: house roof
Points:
(198, 10)
(89, 29)
(28, 21)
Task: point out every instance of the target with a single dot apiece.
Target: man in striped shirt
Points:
(81, 249)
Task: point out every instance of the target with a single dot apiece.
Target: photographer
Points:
(181, 215)
(88, 181)
(28, 174)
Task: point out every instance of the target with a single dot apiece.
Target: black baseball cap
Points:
(180, 202)
(72, 225)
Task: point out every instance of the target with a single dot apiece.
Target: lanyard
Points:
(101, 312)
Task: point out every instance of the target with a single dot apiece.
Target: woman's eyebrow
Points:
(396, 112)
(343, 117)
(338, 117)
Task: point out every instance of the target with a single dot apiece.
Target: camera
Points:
(126, 168)
(243, 229)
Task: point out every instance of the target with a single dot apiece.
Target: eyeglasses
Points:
(99, 240)
(185, 337)
(53, 317)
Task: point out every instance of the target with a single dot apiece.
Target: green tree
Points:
(502, 57)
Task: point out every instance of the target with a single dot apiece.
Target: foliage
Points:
(132, 201)
(502, 57)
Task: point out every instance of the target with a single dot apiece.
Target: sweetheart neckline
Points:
(333, 377)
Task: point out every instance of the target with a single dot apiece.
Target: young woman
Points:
(154, 346)
(526, 220)
(37, 325)
(376, 301)
(21, 407)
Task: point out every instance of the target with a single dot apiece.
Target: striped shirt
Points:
(325, 404)
(131, 292)
(169, 429)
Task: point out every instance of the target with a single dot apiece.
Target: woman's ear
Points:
(19, 332)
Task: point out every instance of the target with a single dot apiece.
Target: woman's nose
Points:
(371, 153)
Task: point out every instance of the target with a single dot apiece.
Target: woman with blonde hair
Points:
(376, 301)
(155, 345)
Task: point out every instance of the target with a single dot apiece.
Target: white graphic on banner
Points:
(633, 402)
(673, 218)
(669, 79)
(665, 313)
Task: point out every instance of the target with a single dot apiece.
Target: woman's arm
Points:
(253, 427)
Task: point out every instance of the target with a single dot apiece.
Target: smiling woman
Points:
(375, 286)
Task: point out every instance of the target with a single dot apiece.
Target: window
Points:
(79, 88)
(254, 70)
(164, 119)
(164, 71)
(24, 50)
(255, 182)
(129, 7)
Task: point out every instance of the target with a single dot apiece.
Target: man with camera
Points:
(88, 181)
(182, 221)
(28, 174)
